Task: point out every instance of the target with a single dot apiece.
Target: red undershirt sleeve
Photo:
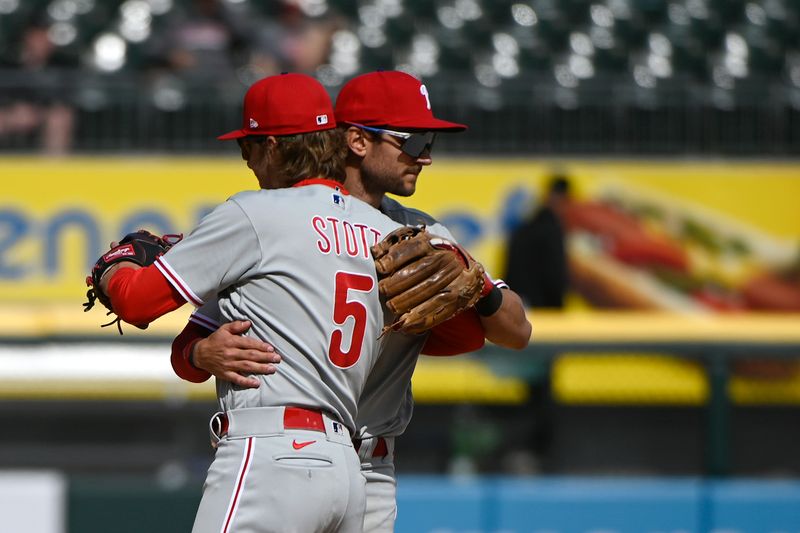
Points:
(181, 350)
(139, 296)
(461, 334)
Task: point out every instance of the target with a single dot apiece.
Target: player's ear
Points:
(244, 146)
(356, 140)
(269, 151)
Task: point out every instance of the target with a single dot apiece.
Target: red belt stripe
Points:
(381, 448)
(293, 418)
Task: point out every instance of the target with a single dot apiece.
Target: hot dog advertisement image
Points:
(629, 247)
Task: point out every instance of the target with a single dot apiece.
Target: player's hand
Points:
(230, 356)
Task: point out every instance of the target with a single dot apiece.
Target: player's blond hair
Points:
(320, 154)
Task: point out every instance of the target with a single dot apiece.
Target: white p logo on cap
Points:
(322, 120)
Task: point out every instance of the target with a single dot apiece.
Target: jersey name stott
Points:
(342, 237)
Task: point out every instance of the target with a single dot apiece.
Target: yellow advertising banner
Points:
(480, 200)
(696, 237)
(57, 216)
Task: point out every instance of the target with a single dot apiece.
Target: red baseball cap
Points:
(285, 104)
(392, 99)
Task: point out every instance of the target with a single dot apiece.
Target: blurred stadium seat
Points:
(696, 56)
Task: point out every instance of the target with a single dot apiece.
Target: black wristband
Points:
(489, 304)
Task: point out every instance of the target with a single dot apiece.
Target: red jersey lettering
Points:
(362, 229)
(331, 231)
(350, 242)
(323, 244)
(334, 221)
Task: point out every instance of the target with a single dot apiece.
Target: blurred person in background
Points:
(220, 44)
(536, 259)
(35, 100)
(199, 43)
(306, 41)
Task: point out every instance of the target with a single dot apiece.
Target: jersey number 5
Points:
(344, 309)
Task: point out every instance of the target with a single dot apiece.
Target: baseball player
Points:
(285, 459)
(390, 131)
(386, 113)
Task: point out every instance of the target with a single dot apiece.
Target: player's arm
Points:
(503, 318)
(222, 250)
(506, 324)
(201, 351)
(182, 356)
(461, 334)
(499, 316)
(139, 295)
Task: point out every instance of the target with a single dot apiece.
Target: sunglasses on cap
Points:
(413, 144)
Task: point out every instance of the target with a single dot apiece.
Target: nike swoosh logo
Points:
(300, 445)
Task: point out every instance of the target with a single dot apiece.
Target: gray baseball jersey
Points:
(386, 404)
(296, 263)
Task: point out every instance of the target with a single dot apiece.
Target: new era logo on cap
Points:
(253, 123)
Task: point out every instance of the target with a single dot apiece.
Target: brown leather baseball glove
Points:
(425, 279)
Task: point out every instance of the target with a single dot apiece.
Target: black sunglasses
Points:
(413, 144)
